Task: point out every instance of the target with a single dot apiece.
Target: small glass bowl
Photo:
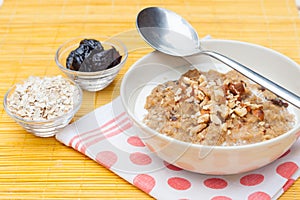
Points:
(91, 81)
(45, 128)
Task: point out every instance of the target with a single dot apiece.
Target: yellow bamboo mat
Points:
(32, 30)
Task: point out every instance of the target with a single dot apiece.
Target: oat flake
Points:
(42, 98)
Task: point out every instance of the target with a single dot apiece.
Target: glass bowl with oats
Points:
(92, 61)
(43, 105)
(200, 115)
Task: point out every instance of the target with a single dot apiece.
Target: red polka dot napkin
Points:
(107, 136)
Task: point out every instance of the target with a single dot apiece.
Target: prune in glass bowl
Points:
(91, 61)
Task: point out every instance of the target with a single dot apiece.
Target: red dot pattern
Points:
(288, 184)
(259, 196)
(107, 158)
(215, 183)
(147, 182)
(135, 141)
(139, 158)
(252, 179)
(285, 154)
(171, 167)
(221, 198)
(179, 183)
(287, 169)
(176, 181)
(144, 182)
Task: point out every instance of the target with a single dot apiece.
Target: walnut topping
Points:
(189, 91)
(177, 98)
(224, 127)
(178, 92)
(186, 80)
(203, 118)
(251, 106)
(202, 79)
(190, 99)
(215, 119)
(200, 95)
(198, 128)
(211, 108)
(236, 88)
(259, 114)
(240, 111)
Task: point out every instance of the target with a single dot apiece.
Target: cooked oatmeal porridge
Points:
(212, 108)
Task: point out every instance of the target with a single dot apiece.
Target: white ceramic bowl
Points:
(157, 68)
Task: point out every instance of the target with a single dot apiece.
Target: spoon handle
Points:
(259, 79)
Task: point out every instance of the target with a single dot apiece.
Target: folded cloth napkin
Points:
(107, 136)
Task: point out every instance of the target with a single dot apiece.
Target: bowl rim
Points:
(80, 73)
(20, 119)
(294, 130)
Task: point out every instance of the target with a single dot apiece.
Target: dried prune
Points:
(92, 44)
(279, 102)
(101, 60)
(173, 118)
(90, 56)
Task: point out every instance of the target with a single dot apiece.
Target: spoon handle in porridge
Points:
(259, 79)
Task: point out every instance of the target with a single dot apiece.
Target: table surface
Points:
(32, 30)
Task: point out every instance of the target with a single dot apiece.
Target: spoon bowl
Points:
(169, 33)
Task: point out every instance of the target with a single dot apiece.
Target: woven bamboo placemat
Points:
(32, 30)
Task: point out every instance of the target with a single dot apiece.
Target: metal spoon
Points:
(169, 33)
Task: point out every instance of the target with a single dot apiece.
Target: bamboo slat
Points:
(32, 30)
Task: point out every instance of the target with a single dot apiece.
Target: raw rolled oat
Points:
(41, 99)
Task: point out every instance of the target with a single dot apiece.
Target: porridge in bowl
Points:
(212, 108)
(192, 153)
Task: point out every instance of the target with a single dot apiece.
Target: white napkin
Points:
(107, 136)
(1, 2)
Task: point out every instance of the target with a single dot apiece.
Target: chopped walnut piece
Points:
(203, 111)
(224, 127)
(240, 111)
(200, 95)
(198, 128)
(178, 92)
(186, 80)
(237, 88)
(259, 113)
(203, 118)
(253, 106)
(204, 102)
(202, 79)
(189, 91)
(215, 119)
